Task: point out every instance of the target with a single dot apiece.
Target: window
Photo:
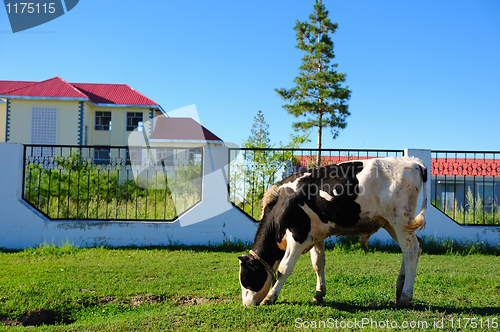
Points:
(101, 155)
(165, 157)
(134, 156)
(448, 197)
(86, 136)
(485, 191)
(43, 129)
(195, 156)
(134, 120)
(44, 125)
(103, 120)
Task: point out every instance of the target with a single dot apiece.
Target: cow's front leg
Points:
(318, 263)
(292, 255)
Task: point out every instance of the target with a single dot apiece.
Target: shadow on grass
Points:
(422, 307)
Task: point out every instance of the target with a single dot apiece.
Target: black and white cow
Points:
(350, 198)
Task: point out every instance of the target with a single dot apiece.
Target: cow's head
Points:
(255, 279)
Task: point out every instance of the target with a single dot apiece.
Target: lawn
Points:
(196, 288)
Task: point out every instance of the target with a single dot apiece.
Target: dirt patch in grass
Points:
(8, 322)
(51, 317)
(136, 300)
(38, 318)
(193, 300)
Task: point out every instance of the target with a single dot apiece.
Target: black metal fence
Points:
(112, 183)
(253, 171)
(466, 186)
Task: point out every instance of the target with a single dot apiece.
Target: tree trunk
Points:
(320, 129)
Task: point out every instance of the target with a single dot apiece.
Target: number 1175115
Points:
(474, 323)
(30, 8)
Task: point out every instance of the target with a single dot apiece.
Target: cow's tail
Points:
(419, 221)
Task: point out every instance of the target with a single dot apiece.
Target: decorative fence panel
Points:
(466, 186)
(253, 171)
(112, 183)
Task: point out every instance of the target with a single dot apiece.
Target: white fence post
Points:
(11, 168)
(425, 156)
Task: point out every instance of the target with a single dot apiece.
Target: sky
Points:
(423, 74)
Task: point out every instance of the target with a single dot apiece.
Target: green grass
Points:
(196, 288)
(474, 211)
(93, 193)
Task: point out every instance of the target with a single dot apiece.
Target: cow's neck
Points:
(266, 246)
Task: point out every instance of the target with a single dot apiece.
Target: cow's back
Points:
(391, 186)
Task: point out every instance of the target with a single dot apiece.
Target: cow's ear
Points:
(244, 259)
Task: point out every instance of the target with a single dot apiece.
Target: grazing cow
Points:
(350, 198)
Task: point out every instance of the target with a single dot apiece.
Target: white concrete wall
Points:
(442, 226)
(213, 221)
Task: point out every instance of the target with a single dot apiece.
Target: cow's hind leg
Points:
(318, 263)
(401, 277)
(410, 246)
(364, 238)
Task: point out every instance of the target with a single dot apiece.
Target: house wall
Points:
(70, 123)
(3, 120)
(20, 120)
(118, 114)
(87, 121)
(213, 220)
(67, 122)
(101, 137)
(118, 136)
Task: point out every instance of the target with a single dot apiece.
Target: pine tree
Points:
(259, 134)
(259, 171)
(263, 163)
(318, 92)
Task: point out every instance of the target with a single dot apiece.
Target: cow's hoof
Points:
(267, 301)
(402, 302)
(318, 298)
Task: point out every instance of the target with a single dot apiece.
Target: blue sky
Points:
(423, 74)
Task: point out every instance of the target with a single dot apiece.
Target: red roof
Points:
(465, 167)
(12, 85)
(113, 94)
(54, 87)
(185, 129)
(118, 94)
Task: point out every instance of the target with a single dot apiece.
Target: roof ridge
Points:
(44, 82)
(100, 93)
(22, 87)
(15, 82)
(102, 84)
(65, 82)
(118, 84)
